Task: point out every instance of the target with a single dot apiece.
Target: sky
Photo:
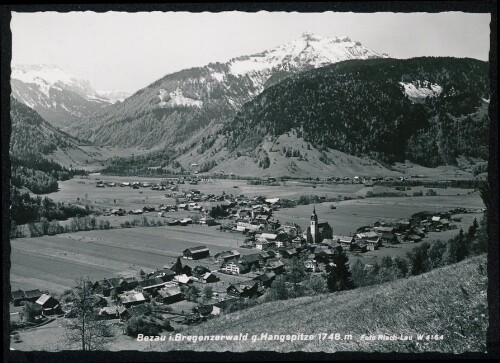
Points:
(128, 51)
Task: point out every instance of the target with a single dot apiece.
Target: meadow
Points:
(54, 262)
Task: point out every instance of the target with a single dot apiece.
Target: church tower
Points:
(314, 227)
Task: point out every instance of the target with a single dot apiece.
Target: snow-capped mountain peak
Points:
(57, 95)
(48, 76)
(308, 51)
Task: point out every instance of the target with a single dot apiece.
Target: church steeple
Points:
(314, 216)
(314, 226)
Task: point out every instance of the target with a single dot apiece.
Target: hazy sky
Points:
(122, 51)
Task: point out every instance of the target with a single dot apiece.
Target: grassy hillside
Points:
(450, 301)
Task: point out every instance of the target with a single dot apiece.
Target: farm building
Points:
(105, 286)
(199, 271)
(209, 278)
(19, 296)
(196, 253)
(276, 266)
(227, 256)
(170, 295)
(243, 290)
(49, 304)
(265, 279)
(131, 299)
(152, 284)
(389, 238)
(134, 311)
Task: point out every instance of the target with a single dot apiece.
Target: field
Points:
(53, 262)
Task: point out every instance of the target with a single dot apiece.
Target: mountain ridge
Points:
(58, 96)
(174, 107)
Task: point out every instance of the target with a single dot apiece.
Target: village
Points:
(201, 284)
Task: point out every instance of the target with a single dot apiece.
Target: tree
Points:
(419, 259)
(86, 329)
(278, 289)
(296, 274)
(30, 312)
(207, 292)
(458, 248)
(338, 273)
(140, 325)
(177, 267)
(317, 285)
(191, 293)
(114, 295)
(358, 274)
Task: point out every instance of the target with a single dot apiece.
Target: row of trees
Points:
(44, 227)
(26, 209)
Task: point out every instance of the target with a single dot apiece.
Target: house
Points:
(209, 278)
(17, 297)
(48, 303)
(167, 274)
(290, 230)
(385, 229)
(109, 312)
(234, 268)
(199, 271)
(370, 239)
(389, 238)
(276, 266)
(324, 255)
(132, 299)
(170, 295)
(206, 311)
(311, 265)
(345, 242)
(207, 221)
(227, 256)
(288, 252)
(252, 261)
(196, 253)
(133, 311)
(269, 236)
(265, 279)
(245, 290)
(263, 244)
(186, 221)
(118, 212)
(265, 255)
(105, 286)
(183, 206)
(152, 284)
(183, 279)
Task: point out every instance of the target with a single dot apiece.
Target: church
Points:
(317, 232)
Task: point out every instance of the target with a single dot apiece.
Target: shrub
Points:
(140, 325)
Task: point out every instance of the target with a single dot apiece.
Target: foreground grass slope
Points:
(449, 301)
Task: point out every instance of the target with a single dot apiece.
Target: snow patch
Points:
(419, 90)
(218, 76)
(176, 98)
